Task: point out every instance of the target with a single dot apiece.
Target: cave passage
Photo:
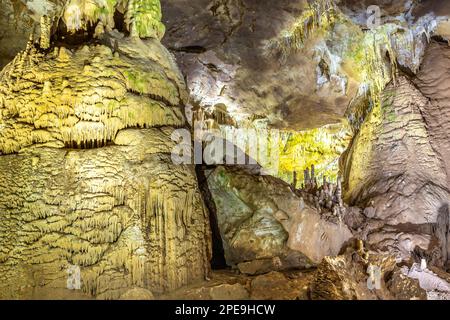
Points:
(218, 256)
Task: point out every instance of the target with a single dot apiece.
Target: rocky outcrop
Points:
(15, 27)
(435, 286)
(260, 218)
(405, 288)
(394, 170)
(355, 275)
(433, 81)
(91, 201)
(122, 215)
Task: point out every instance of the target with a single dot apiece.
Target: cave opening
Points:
(218, 261)
(63, 36)
(119, 22)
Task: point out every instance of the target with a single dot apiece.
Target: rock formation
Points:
(393, 169)
(86, 176)
(260, 218)
(333, 181)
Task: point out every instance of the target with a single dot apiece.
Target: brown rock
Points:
(273, 286)
(394, 167)
(405, 288)
(229, 292)
(137, 294)
(256, 267)
(346, 277)
(248, 207)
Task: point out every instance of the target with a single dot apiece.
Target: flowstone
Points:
(91, 204)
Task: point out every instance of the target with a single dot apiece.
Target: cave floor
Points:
(230, 285)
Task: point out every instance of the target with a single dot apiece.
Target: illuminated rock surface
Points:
(259, 217)
(393, 168)
(345, 277)
(91, 200)
(92, 205)
(110, 211)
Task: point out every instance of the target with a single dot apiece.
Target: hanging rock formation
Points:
(226, 61)
(91, 203)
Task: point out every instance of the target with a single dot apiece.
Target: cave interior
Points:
(225, 149)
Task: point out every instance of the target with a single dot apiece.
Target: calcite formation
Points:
(91, 203)
(322, 149)
(394, 169)
(432, 81)
(83, 98)
(351, 276)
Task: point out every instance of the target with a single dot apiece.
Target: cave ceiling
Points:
(223, 48)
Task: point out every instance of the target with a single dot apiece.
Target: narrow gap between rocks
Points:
(218, 256)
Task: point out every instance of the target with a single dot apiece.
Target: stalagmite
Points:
(294, 180)
(307, 178)
(339, 191)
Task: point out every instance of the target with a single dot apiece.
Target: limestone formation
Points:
(314, 136)
(394, 168)
(327, 198)
(347, 277)
(91, 201)
(259, 218)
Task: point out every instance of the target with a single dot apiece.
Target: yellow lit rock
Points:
(320, 147)
(53, 103)
(78, 220)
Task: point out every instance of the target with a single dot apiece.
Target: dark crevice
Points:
(218, 255)
(89, 144)
(119, 22)
(63, 37)
(190, 49)
(439, 39)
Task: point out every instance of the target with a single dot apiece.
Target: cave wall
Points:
(397, 167)
(124, 215)
(433, 80)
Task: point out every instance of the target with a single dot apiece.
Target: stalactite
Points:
(143, 18)
(46, 22)
(86, 118)
(123, 215)
(319, 15)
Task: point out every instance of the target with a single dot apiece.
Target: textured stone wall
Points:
(87, 185)
(433, 81)
(259, 218)
(394, 170)
(124, 214)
